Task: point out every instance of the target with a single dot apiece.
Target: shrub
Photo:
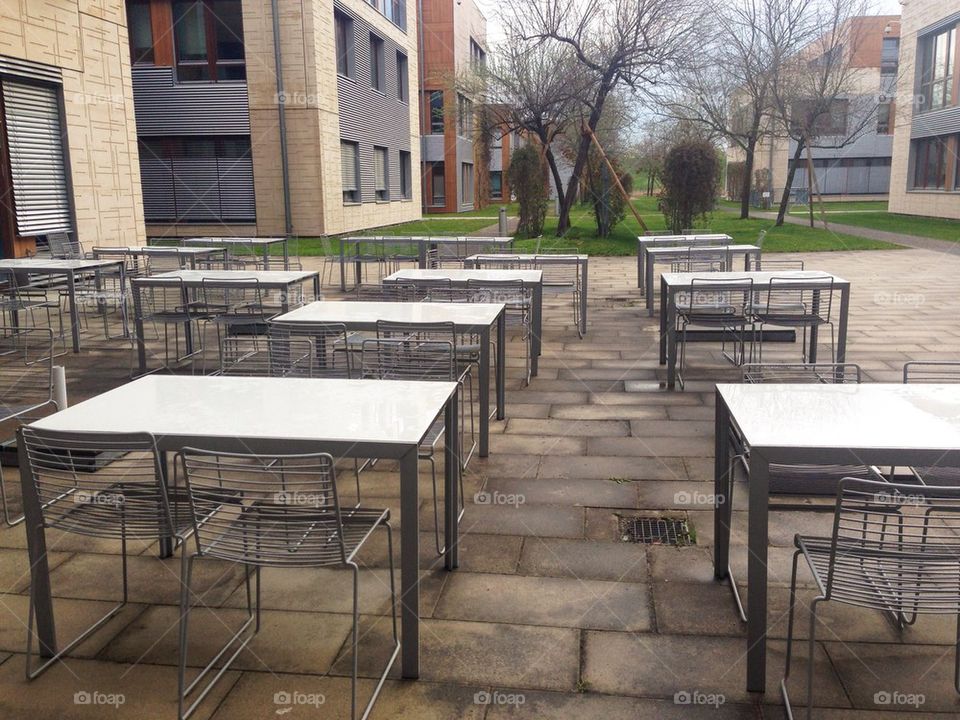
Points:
(689, 179)
(606, 202)
(527, 180)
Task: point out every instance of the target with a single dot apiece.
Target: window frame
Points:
(921, 164)
(406, 174)
(464, 174)
(343, 33)
(498, 195)
(356, 196)
(435, 200)
(213, 62)
(378, 58)
(464, 116)
(144, 58)
(382, 195)
(403, 77)
(433, 116)
(928, 78)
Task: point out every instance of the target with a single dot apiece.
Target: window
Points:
(936, 69)
(381, 173)
(350, 171)
(930, 163)
(496, 185)
(464, 116)
(403, 78)
(890, 56)
(478, 58)
(496, 140)
(436, 112)
(406, 179)
(466, 183)
(343, 31)
(884, 119)
(438, 185)
(377, 79)
(140, 31)
(208, 35)
(832, 121)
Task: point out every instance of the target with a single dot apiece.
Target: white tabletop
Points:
(526, 256)
(442, 240)
(462, 276)
(673, 250)
(368, 313)
(760, 278)
(683, 238)
(846, 416)
(264, 277)
(53, 265)
(294, 409)
(160, 249)
(236, 240)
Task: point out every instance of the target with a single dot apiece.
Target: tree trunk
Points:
(748, 161)
(791, 171)
(583, 150)
(554, 171)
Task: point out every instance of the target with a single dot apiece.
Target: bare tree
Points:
(616, 43)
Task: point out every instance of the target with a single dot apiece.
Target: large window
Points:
(140, 31)
(403, 78)
(937, 55)
(350, 171)
(890, 56)
(381, 173)
(436, 112)
(464, 117)
(208, 35)
(406, 179)
(930, 163)
(478, 58)
(811, 115)
(438, 185)
(343, 32)
(884, 119)
(496, 185)
(466, 183)
(377, 76)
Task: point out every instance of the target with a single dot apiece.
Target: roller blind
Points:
(380, 168)
(35, 139)
(348, 166)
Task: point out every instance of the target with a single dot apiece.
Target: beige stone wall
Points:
(917, 15)
(87, 39)
(312, 117)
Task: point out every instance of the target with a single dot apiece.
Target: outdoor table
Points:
(667, 254)
(423, 245)
(672, 241)
(190, 255)
(70, 270)
(254, 243)
(283, 281)
(871, 424)
(346, 418)
(474, 318)
(582, 268)
(673, 283)
(459, 278)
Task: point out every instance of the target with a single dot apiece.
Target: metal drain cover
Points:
(655, 530)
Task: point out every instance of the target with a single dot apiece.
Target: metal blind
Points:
(35, 143)
(348, 166)
(380, 168)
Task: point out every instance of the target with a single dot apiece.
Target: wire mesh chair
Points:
(330, 342)
(26, 387)
(657, 233)
(894, 548)
(499, 262)
(422, 287)
(718, 304)
(425, 361)
(271, 512)
(561, 274)
(557, 250)
(696, 231)
(167, 303)
(103, 485)
(133, 265)
(517, 298)
(167, 262)
(271, 356)
(64, 247)
(387, 292)
(98, 291)
(939, 372)
(701, 259)
(234, 307)
(19, 296)
(777, 264)
(800, 303)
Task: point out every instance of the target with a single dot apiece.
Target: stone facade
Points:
(87, 40)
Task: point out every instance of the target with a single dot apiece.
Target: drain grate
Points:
(655, 531)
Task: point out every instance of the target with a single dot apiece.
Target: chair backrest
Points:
(457, 294)
(26, 371)
(766, 263)
(557, 250)
(387, 292)
(131, 260)
(261, 510)
(905, 536)
(419, 331)
(98, 484)
(499, 262)
(807, 299)
(328, 346)
(63, 247)
(398, 359)
(761, 237)
(421, 287)
(257, 356)
(723, 297)
(167, 262)
(500, 291)
(558, 270)
(759, 373)
(705, 259)
(931, 371)
(235, 296)
(696, 231)
(656, 233)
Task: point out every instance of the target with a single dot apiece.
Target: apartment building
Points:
(852, 153)
(453, 46)
(925, 178)
(228, 145)
(68, 148)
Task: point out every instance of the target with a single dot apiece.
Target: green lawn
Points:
(939, 228)
(842, 207)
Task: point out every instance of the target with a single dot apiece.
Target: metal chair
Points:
(517, 298)
(799, 303)
(63, 247)
(422, 287)
(167, 303)
(235, 306)
(104, 485)
(132, 265)
(561, 274)
(894, 548)
(20, 296)
(271, 512)
(26, 386)
(271, 356)
(331, 345)
(696, 231)
(776, 264)
(657, 233)
(718, 304)
(499, 262)
(387, 292)
(425, 361)
(940, 372)
(166, 262)
(701, 259)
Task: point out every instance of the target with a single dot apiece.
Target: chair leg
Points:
(7, 519)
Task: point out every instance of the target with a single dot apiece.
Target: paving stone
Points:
(588, 560)
(555, 491)
(570, 428)
(603, 467)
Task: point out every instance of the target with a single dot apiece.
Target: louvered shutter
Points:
(348, 166)
(35, 142)
(380, 168)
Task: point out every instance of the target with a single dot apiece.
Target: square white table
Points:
(649, 241)
(71, 270)
(673, 283)
(870, 424)
(473, 318)
(186, 255)
(253, 243)
(670, 254)
(346, 418)
(460, 278)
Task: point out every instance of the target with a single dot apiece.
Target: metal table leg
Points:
(74, 311)
(721, 468)
(757, 534)
(583, 299)
(484, 385)
(537, 328)
(451, 481)
(640, 266)
(343, 267)
(669, 300)
(501, 364)
(410, 565)
(649, 286)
